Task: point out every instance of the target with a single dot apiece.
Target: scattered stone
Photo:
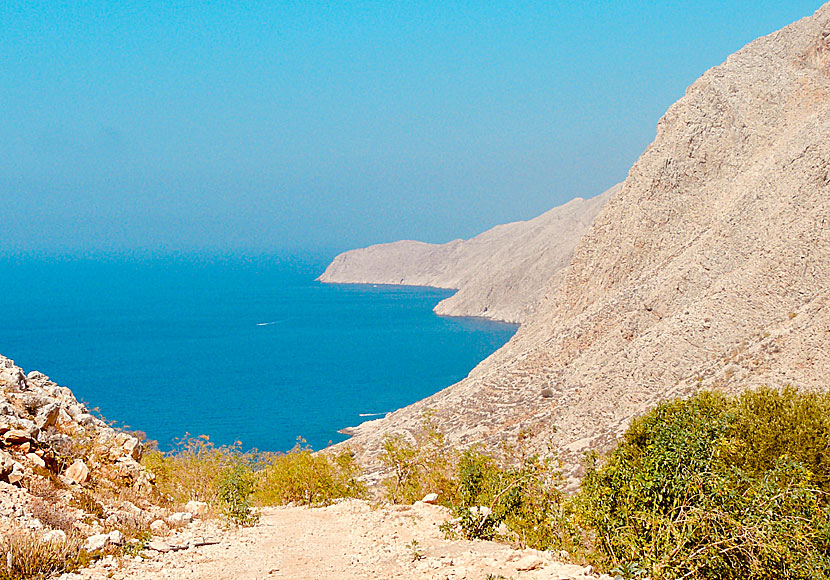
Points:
(430, 498)
(16, 437)
(180, 519)
(197, 508)
(47, 415)
(159, 527)
(529, 562)
(96, 543)
(6, 464)
(36, 459)
(159, 546)
(78, 472)
(116, 537)
(16, 474)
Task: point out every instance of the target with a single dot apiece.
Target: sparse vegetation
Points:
(235, 486)
(709, 487)
(233, 482)
(419, 465)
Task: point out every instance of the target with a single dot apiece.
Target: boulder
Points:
(180, 519)
(159, 527)
(197, 508)
(47, 415)
(6, 464)
(16, 474)
(36, 459)
(159, 546)
(430, 498)
(16, 437)
(116, 538)
(96, 542)
(78, 472)
(529, 562)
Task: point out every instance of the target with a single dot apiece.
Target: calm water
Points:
(238, 349)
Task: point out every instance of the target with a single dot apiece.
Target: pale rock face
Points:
(500, 274)
(708, 269)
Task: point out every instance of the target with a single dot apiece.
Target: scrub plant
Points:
(305, 478)
(716, 487)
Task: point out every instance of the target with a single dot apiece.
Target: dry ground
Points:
(349, 540)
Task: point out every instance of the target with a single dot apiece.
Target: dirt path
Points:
(347, 541)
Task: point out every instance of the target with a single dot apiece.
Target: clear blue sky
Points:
(278, 126)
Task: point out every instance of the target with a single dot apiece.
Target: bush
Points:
(191, 471)
(525, 498)
(421, 465)
(235, 486)
(25, 556)
(303, 478)
(716, 487)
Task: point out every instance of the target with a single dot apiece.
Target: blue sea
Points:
(248, 349)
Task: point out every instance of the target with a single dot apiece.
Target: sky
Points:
(284, 127)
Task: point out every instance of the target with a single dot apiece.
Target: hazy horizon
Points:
(300, 127)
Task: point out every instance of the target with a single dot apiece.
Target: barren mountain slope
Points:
(500, 274)
(710, 268)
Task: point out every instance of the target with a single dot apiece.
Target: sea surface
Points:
(236, 348)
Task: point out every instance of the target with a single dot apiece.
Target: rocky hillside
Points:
(66, 475)
(500, 274)
(709, 268)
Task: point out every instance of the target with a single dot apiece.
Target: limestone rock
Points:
(197, 508)
(96, 543)
(159, 527)
(6, 464)
(180, 519)
(78, 472)
(17, 473)
(529, 562)
(16, 437)
(159, 546)
(430, 498)
(35, 459)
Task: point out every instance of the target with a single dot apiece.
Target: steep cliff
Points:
(709, 268)
(499, 274)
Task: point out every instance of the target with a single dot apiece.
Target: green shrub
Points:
(235, 486)
(715, 487)
(422, 465)
(525, 498)
(190, 472)
(301, 477)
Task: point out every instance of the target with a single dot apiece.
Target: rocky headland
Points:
(707, 269)
(500, 274)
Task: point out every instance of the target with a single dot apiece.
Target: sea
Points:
(247, 349)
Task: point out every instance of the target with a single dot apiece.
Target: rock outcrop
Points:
(500, 274)
(710, 267)
(56, 458)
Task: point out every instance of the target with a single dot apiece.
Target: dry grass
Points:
(28, 557)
